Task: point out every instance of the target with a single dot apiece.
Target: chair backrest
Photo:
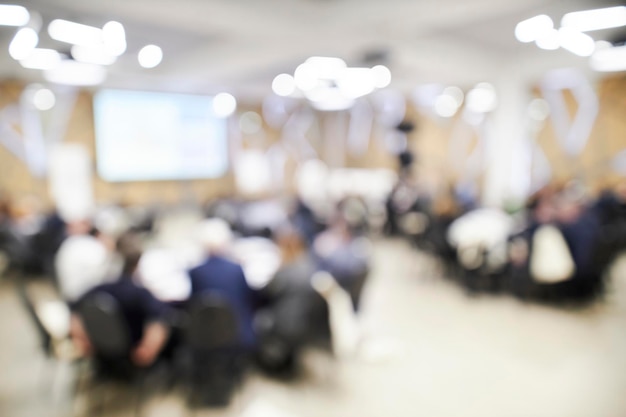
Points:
(212, 323)
(105, 325)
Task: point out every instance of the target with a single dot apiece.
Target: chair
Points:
(109, 335)
(106, 326)
(212, 338)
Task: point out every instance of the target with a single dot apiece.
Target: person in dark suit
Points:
(225, 278)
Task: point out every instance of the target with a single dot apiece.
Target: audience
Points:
(297, 308)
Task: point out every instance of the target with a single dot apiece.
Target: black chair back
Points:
(212, 323)
(105, 325)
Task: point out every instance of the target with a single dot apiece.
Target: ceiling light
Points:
(356, 82)
(446, 106)
(150, 56)
(114, 38)
(326, 67)
(23, 43)
(13, 15)
(44, 99)
(576, 42)
(609, 59)
(456, 93)
(305, 77)
(92, 54)
(74, 33)
(549, 41)
(534, 28)
(224, 105)
(382, 76)
(283, 85)
(588, 20)
(482, 98)
(76, 73)
(41, 59)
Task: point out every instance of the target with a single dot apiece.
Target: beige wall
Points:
(607, 138)
(430, 142)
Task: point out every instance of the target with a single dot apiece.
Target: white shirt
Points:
(82, 263)
(163, 272)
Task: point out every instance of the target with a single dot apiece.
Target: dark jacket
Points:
(138, 306)
(227, 280)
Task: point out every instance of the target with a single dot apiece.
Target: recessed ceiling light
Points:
(150, 56)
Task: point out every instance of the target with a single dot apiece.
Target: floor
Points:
(427, 349)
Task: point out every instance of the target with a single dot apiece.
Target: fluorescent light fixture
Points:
(283, 85)
(23, 43)
(588, 20)
(609, 59)
(549, 41)
(13, 15)
(576, 42)
(356, 82)
(70, 72)
(74, 33)
(382, 76)
(224, 105)
(331, 99)
(42, 59)
(326, 67)
(150, 56)
(305, 77)
(114, 37)
(44, 99)
(92, 54)
(534, 28)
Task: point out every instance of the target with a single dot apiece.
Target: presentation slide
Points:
(143, 136)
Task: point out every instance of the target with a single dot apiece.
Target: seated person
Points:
(84, 261)
(298, 310)
(345, 257)
(146, 317)
(224, 277)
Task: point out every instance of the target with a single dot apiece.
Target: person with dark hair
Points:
(146, 317)
(296, 314)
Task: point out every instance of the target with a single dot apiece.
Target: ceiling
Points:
(240, 45)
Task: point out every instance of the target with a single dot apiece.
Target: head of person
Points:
(291, 244)
(79, 227)
(130, 250)
(215, 236)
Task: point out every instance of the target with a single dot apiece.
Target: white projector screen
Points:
(143, 136)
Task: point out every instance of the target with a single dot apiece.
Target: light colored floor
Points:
(428, 350)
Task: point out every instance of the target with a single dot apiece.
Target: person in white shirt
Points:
(83, 261)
